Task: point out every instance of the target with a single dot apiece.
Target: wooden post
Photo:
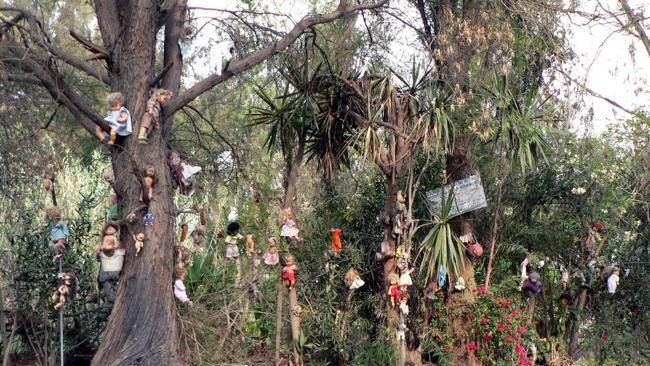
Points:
(278, 320)
(295, 323)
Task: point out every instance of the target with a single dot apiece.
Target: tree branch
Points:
(643, 36)
(238, 66)
(109, 24)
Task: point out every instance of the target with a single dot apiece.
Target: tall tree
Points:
(142, 326)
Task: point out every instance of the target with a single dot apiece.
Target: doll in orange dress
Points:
(337, 246)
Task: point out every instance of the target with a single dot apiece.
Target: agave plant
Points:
(441, 248)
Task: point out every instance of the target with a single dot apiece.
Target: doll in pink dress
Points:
(179, 286)
(271, 257)
(289, 228)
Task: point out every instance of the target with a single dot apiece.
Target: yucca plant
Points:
(441, 247)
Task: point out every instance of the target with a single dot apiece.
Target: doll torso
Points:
(336, 240)
(59, 231)
(114, 119)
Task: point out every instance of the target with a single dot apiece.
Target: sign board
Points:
(468, 196)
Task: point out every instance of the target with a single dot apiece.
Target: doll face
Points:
(116, 105)
(111, 230)
(140, 237)
(150, 171)
(163, 98)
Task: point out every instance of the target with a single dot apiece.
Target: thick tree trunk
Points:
(292, 165)
(142, 327)
(459, 166)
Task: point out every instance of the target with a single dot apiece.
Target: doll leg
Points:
(99, 133)
(112, 136)
(150, 193)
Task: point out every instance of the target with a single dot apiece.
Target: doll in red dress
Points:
(393, 289)
(289, 272)
(337, 246)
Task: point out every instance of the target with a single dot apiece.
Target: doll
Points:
(405, 276)
(66, 291)
(466, 234)
(430, 290)
(198, 235)
(151, 118)
(113, 212)
(352, 279)
(289, 272)
(613, 280)
(139, 243)
(271, 257)
(337, 246)
(393, 289)
(401, 332)
(475, 249)
(109, 238)
(179, 286)
(59, 234)
(118, 119)
(399, 215)
(403, 304)
(111, 263)
(108, 176)
(182, 256)
(182, 173)
(48, 182)
(460, 284)
(232, 250)
(289, 228)
(250, 244)
(149, 173)
(385, 251)
(533, 283)
(524, 274)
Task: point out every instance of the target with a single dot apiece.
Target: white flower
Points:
(541, 263)
(508, 211)
(604, 211)
(578, 191)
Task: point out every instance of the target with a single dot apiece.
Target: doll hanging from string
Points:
(232, 237)
(59, 233)
(66, 291)
(118, 120)
(337, 246)
(271, 257)
(289, 228)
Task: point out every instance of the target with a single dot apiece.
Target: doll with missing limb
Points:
(118, 119)
(289, 228)
(151, 117)
(139, 243)
(59, 233)
(148, 180)
(289, 272)
(271, 257)
(66, 291)
(179, 286)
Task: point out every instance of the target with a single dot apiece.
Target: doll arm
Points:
(123, 117)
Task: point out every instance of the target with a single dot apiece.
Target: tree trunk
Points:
(142, 327)
(293, 163)
(278, 321)
(459, 166)
(294, 311)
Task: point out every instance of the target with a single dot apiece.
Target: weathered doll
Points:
(524, 275)
(113, 212)
(352, 279)
(289, 228)
(151, 118)
(250, 244)
(289, 272)
(337, 246)
(108, 175)
(59, 234)
(403, 304)
(198, 237)
(393, 289)
(533, 283)
(139, 243)
(48, 182)
(183, 174)
(182, 256)
(179, 286)
(399, 215)
(613, 280)
(118, 119)
(111, 262)
(232, 237)
(460, 284)
(405, 276)
(109, 238)
(271, 257)
(66, 291)
(148, 180)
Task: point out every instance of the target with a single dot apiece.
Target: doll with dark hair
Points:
(232, 237)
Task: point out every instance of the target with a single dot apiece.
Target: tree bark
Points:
(293, 164)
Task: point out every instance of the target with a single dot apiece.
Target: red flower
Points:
(508, 339)
(471, 346)
(485, 320)
(483, 291)
(487, 336)
(521, 329)
(501, 327)
(469, 316)
(521, 350)
(437, 339)
(605, 337)
(504, 303)
(515, 312)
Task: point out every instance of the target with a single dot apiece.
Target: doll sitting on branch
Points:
(118, 119)
(289, 228)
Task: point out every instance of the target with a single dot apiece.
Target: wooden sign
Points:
(468, 196)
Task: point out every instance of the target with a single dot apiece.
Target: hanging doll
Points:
(467, 237)
(289, 228)
(352, 279)
(393, 289)
(198, 235)
(399, 215)
(289, 272)
(524, 274)
(400, 334)
(232, 250)
(405, 276)
(613, 280)
(337, 246)
(179, 286)
(109, 238)
(182, 256)
(385, 251)
(403, 304)
(442, 276)
(151, 118)
(271, 257)
(149, 173)
(460, 284)
(250, 244)
(139, 243)
(185, 41)
(48, 182)
(59, 234)
(182, 173)
(430, 290)
(118, 119)
(532, 284)
(66, 291)
(108, 176)
(111, 262)
(113, 212)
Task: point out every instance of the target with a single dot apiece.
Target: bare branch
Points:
(238, 66)
(642, 35)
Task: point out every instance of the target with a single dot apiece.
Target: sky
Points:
(603, 62)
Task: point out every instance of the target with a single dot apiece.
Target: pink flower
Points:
(501, 327)
(487, 336)
(521, 350)
(504, 303)
(485, 320)
(605, 337)
(437, 339)
(521, 329)
(515, 312)
(471, 346)
(483, 291)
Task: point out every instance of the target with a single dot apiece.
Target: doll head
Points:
(350, 276)
(115, 101)
(149, 170)
(272, 243)
(53, 213)
(289, 259)
(108, 176)
(335, 226)
(400, 197)
(393, 278)
(112, 199)
(162, 95)
(287, 213)
(139, 237)
(465, 228)
(179, 274)
(233, 228)
(110, 229)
